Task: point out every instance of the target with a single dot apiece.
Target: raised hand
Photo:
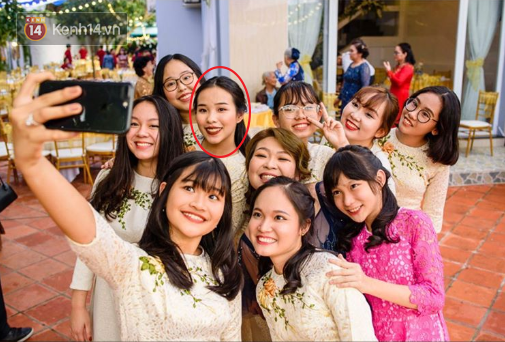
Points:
(387, 66)
(28, 116)
(349, 275)
(279, 65)
(332, 129)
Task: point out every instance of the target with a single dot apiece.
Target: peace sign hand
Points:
(332, 129)
(349, 275)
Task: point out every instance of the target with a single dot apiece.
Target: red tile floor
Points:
(36, 265)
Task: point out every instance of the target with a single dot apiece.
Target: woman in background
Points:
(295, 71)
(358, 74)
(144, 70)
(401, 76)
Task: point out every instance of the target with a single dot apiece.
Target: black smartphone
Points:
(107, 106)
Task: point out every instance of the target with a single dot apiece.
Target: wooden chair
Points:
(7, 150)
(483, 123)
(105, 149)
(70, 154)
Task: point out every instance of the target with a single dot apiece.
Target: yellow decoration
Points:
(473, 71)
(305, 63)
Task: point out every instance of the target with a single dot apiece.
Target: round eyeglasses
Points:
(290, 111)
(170, 84)
(423, 116)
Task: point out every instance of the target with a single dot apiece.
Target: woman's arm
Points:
(428, 290)
(365, 75)
(434, 197)
(351, 313)
(351, 275)
(292, 71)
(80, 322)
(402, 76)
(66, 206)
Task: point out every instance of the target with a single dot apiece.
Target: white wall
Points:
(258, 31)
(179, 29)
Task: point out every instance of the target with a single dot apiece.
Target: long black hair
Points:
(159, 74)
(208, 173)
(359, 163)
(118, 184)
(443, 147)
(303, 203)
(239, 100)
(406, 48)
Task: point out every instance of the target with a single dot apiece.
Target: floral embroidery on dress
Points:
(142, 199)
(189, 142)
(155, 267)
(390, 149)
(269, 294)
(198, 275)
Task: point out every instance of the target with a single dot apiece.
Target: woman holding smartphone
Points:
(123, 195)
(182, 281)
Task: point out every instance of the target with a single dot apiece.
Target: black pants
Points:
(4, 326)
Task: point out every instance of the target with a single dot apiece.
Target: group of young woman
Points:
(180, 245)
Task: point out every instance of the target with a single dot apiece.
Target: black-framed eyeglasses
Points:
(290, 111)
(423, 116)
(187, 78)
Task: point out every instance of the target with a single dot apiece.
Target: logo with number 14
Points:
(35, 28)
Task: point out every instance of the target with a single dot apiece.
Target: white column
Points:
(499, 76)
(330, 46)
(459, 67)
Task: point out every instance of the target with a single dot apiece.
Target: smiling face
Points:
(143, 136)
(192, 212)
(217, 118)
(356, 199)
(179, 98)
(275, 228)
(299, 124)
(428, 105)
(270, 160)
(362, 124)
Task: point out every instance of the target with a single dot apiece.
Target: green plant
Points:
(364, 7)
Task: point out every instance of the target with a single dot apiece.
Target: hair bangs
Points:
(209, 177)
(371, 102)
(299, 94)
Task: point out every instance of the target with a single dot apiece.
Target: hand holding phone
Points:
(107, 106)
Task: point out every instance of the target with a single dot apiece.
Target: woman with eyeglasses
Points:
(174, 79)
(422, 148)
(294, 103)
(402, 74)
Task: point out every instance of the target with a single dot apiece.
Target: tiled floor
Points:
(480, 167)
(36, 265)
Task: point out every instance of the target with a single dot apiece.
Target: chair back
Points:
(70, 144)
(486, 106)
(5, 139)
